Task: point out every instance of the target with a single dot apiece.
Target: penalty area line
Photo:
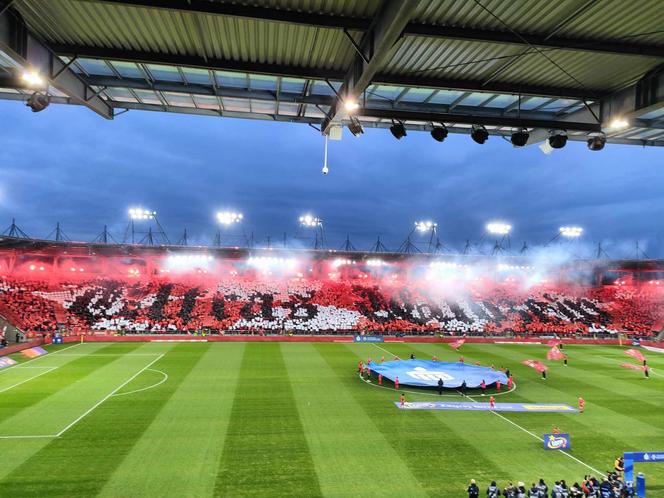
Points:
(164, 379)
(93, 407)
(50, 369)
(37, 358)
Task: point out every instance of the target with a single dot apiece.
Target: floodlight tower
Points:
(308, 221)
(144, 217)
(424, 228)
(502, 233)
(569, 233)
(227, 220)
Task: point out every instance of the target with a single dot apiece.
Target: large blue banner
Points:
(426, 373)
(557, 442)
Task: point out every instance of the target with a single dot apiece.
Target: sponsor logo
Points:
(548, 407)
(422, 373)
(557, 442)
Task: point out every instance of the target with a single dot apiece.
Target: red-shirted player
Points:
(360, 366)
(492, 403)
(396, 383)
(582, 403)
(510, 383)
(483, 387)
(498, 386)
(461, 360)
(368, 372)
(555, 430)
(402, 400)
(380, 379)
(382, 359)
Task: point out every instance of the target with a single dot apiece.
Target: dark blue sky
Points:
(67, 164)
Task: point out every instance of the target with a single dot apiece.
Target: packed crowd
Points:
(610, 486)
(322, 306)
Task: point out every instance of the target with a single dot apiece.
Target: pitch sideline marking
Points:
(528, 432)
(50, 369)
(38, 357)
(164, 379)
(89, 410)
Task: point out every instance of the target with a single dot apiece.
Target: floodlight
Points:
(229, 217)
(351, 105)
(557, 139)
(520, 137)
(597, 141)
(33, 79)
(355, 127)
(398, 130)
(439, 133)
(424, 226)
(38, 101)
(141, 214)
(618, 123)
(498, 228)
(571, 232)
(479, 134)
(310, 221)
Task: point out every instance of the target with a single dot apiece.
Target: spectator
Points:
(543, 489)
(473, 490)
(493, 491)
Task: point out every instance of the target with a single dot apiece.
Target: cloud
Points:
(66, 164)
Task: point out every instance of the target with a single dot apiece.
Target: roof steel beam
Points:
(31, 54)
(250, 12)
(424, 126)
(310, 72)
(553, 42)
(411, 29)
(479, 119)
(630, 103)
(375, 47)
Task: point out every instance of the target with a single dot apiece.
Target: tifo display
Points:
(226, 291)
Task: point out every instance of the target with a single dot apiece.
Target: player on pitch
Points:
(492, 403)
(582, 403)
(402, 400)
(396, 383)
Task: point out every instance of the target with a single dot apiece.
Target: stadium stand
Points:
(245, 301)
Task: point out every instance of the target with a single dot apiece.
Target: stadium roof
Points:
(577, 65)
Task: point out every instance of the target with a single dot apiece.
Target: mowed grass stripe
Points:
(265, 453)
(599, 388)
(420, 438)
(488, 430)
(179, 453)
(598, 423)
(71, 369)
(334, 422)
(89, 453)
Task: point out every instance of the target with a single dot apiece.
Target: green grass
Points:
(273, 419)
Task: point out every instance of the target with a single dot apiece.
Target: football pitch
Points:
(294, 419)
